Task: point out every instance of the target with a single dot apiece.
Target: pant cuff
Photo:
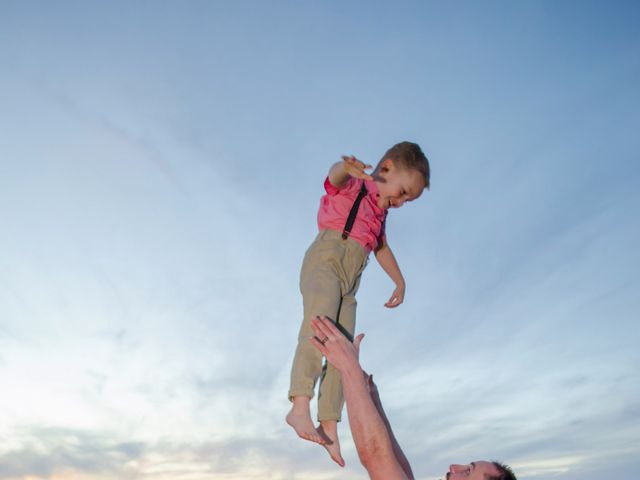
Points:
(329, 417)
(300, 393)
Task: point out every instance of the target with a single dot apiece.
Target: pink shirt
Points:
(368, 228)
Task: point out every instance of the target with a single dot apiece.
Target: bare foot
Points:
(301, 422)
(328, 429)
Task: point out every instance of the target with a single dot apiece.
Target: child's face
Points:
(398, 185)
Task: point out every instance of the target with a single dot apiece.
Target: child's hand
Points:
(355, 168)
(396, 298)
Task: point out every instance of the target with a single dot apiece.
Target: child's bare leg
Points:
(299, 417)
(329, 431)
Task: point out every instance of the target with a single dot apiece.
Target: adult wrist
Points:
(352, 370)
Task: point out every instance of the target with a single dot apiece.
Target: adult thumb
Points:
(357, 341)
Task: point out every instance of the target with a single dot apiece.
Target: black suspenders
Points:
(354, 211)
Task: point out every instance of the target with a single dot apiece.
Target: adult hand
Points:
(337, 348)
(355, 168)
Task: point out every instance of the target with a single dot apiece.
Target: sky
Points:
(161, 165)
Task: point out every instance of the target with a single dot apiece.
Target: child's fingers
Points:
(363, 174)
(356, 168)
(393, 302)
(353, 161)
(359, 173)
(350, 159)
(362, 166)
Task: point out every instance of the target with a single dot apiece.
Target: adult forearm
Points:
(370, 434)
(397, 450)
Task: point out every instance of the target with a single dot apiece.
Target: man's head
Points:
(480, 470)
(401, 175)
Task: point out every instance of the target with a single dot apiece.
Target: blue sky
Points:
(160, 170)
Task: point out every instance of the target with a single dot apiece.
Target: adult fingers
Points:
(357, 340)
(372, 385)
(329, 327)
(323, 327)
(319, 345)
(316, 327)
(318, 333)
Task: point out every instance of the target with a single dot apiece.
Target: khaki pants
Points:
(329, 281)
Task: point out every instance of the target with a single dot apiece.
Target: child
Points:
(351, 220)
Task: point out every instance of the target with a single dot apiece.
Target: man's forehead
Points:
(485, 467)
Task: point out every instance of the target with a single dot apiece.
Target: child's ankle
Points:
(331, 425)
(301, 404)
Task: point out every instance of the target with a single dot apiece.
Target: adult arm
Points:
(387, 260)
(370, 434)
(397, 450)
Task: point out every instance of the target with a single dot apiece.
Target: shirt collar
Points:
(374, 193)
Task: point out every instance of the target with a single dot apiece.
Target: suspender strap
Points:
(354, 211)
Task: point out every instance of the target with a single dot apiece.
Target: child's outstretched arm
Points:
(388, 262)
(350, 166)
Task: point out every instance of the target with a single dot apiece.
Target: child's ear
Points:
(387, 165)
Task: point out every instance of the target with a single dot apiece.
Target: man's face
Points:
(473, 471)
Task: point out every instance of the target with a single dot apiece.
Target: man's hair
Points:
(505, 472)
(408, 155)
